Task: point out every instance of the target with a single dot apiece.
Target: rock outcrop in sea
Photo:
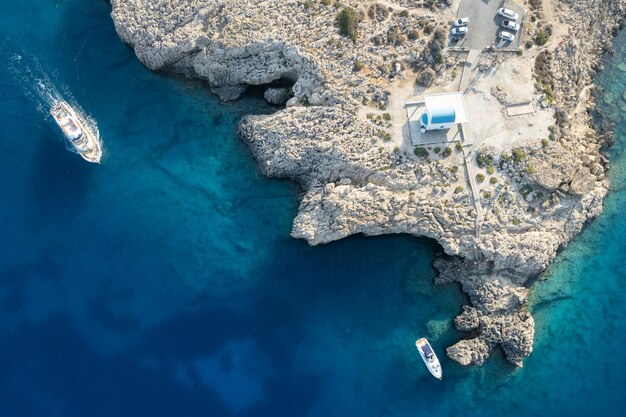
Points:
(354, 176)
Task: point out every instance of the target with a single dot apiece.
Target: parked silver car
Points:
(464, 21)
(508, 13)
(506, 36)
(458, 32)
(510, 24)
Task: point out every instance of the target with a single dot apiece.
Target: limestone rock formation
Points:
(358, 178)
(276, 96)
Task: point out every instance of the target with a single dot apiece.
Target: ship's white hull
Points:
(77, 132)
(429, 357)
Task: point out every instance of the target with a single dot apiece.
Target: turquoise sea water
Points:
(164, 281)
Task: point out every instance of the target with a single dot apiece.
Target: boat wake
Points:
(37, 85)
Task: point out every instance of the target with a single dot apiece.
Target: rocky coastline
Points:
(337, 134)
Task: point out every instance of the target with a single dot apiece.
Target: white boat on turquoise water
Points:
(77, 131)
(428, 356)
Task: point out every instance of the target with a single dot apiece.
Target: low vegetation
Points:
(421, 152)
(348, 21)
(437, 45)
(518, 155)
(542, 37)
(484, 160)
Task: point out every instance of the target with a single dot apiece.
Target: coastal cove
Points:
(164, 282)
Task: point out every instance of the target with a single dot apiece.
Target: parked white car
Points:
(464, 21)
(459, 31)
(510, 24)
(506, 36)
(509, 14)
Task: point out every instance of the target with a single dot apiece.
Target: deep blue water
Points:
(163, 282)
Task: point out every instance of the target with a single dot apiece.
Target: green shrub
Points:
(387, 137)
(531, 169)
(487, 194)
(425, 78)
(453, 74)
(348, 21)
(326, 2)
(404, 13)
(490, 170)
(519, 155)
(392, 35)
(516, 221)
(454, 169)
(437, 149)
(435, 51)
(542, 37)
(428, 29)
(458, 146)
(421, 152)
(525, 190)
(358, 66)
(480, 177)
(528, 44)
(386, 116)
(413, 34)
(549, 91)
(459, 189)
(308, 4)
(447, 152)
(545, 143)
(484, 160)
(493, 180)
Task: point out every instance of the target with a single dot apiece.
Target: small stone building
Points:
(442, 111)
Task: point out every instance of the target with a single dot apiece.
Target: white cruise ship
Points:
(77, 132)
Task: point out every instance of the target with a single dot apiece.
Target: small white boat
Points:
(77, 132)
(429, 357)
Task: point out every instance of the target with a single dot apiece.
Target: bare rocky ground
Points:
(336, 137)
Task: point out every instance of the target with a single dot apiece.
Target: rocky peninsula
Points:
(500, 201)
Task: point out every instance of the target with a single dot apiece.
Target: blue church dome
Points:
(440, 115)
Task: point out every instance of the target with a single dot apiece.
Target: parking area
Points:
(484, 24)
